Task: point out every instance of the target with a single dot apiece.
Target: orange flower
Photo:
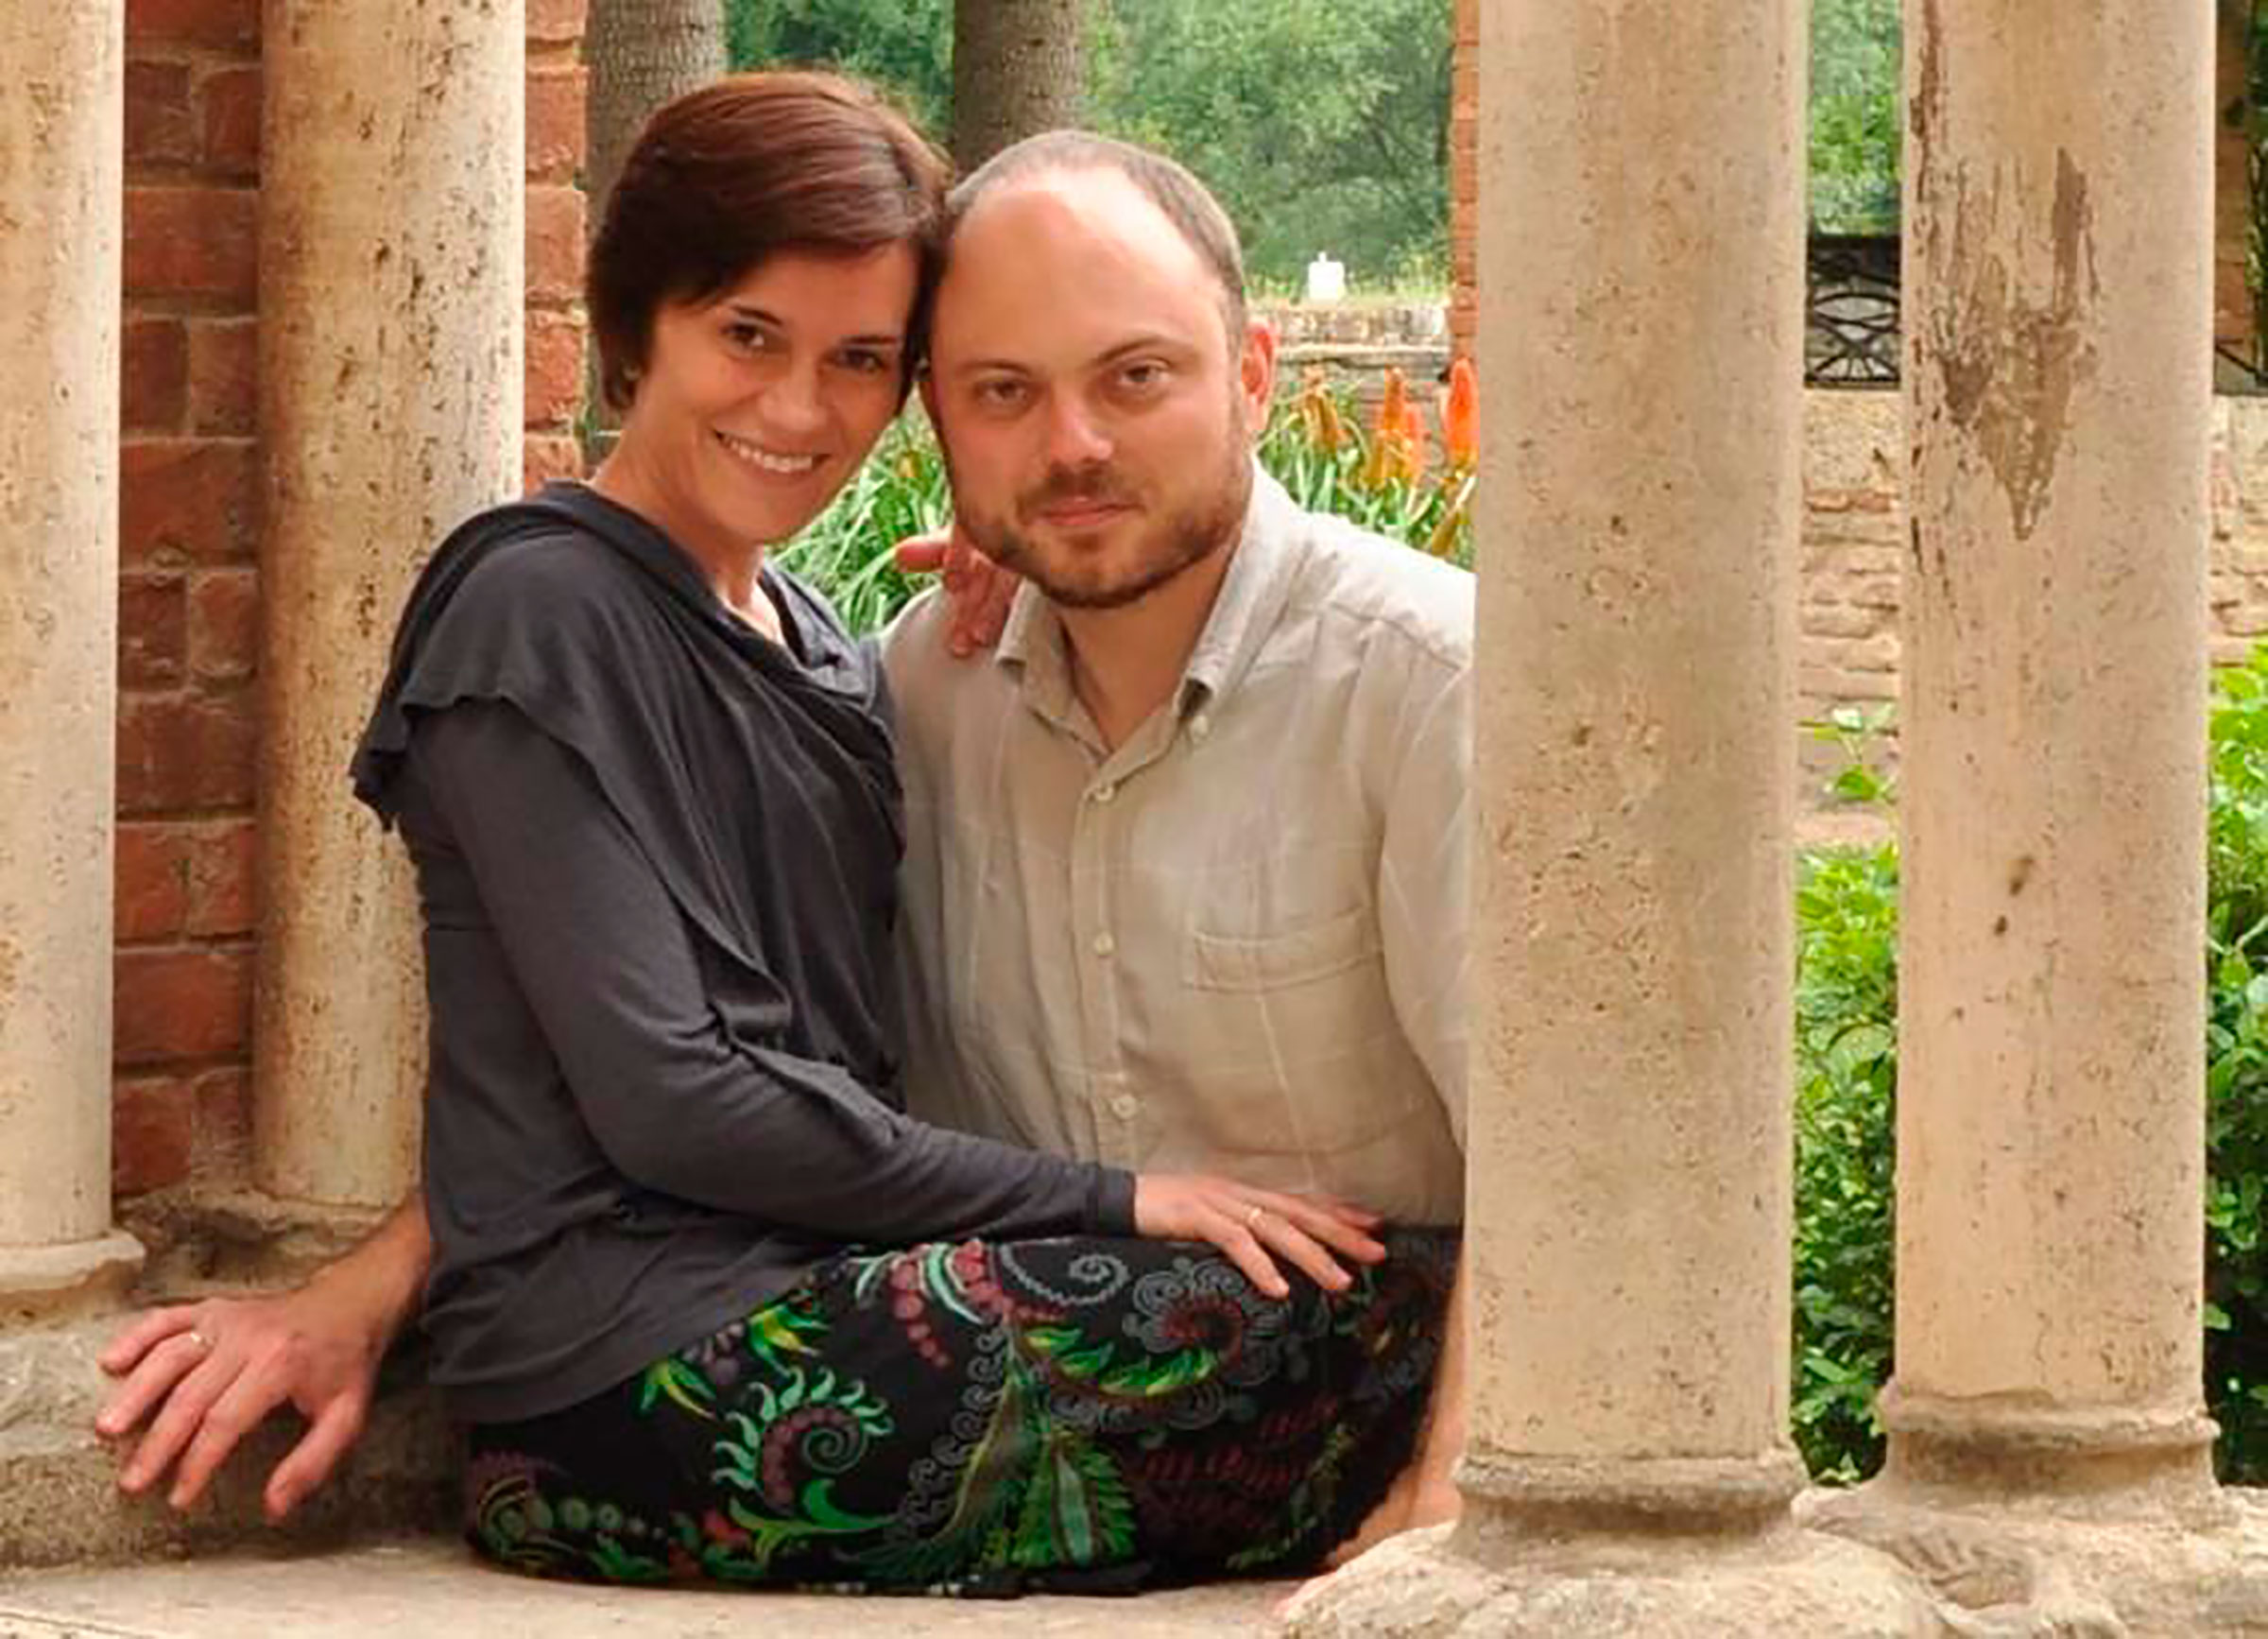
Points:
(1460, 415)
(1413, 443)
(1388, 459)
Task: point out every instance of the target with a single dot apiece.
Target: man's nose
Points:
(1076, 436)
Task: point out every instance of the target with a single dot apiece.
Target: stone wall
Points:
(189, 594)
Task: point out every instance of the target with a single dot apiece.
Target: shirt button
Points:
(1199, 725)
(1104, 944)
(1105, 791)
(1123, 1106)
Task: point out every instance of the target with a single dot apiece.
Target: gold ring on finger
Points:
(1254, 1214)
(203, 1343)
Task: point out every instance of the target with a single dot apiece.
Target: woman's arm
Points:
(609, 968)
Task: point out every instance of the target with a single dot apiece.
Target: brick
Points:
(185, 752)
(160, 128)
(554, 369)
(221, 24)
(229, 103)
(222, 878)
(153, 1125)
(556, 22)
(153, 630)
(188, 240)
(543, 458)
(153, 375)
(152, 875)
(186, 1004)
(555, 123)
(224, 376)
(555, 245)
(185, 501)
(224, 625)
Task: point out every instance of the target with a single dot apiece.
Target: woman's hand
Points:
(1254, 1227)
(977, 590)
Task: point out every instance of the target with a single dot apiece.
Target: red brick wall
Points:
(2233, 204)
(189, 538)
(1464, 171)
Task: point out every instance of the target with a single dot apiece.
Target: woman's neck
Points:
(733, 567)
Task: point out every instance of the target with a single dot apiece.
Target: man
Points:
(1185, 880)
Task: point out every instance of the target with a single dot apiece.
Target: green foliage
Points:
(2236, 1342)
(1855, 120)
(905, 46)
(1846, 1097)
(1322, 125)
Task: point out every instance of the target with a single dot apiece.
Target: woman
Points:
(645, 781)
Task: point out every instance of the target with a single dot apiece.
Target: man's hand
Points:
(1248, 1225)
(977, 590)
(213, 1372)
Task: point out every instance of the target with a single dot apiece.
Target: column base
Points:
(1652, 1587)
(2002, 1568)
(1667, 1549)
(51, 1282)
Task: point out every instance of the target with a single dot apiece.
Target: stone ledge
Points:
(60, 1501)
(430, 1586)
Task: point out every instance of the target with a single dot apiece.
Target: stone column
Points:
(2046, 1413)
(391, 262)
(1629, 1469)
(61, 199)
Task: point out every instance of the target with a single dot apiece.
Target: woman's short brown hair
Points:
(726, 176)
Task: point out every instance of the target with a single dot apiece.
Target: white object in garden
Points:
(1326, 279)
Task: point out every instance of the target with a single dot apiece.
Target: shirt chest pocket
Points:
(1226, 961)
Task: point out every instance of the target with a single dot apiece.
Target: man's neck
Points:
(1125, 663)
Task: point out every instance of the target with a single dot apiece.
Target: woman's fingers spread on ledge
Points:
(310, 1463)
(159, 1366)
(153, 1328)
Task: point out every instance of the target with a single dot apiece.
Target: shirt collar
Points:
(1032, 644)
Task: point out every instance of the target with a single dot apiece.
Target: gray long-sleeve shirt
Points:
(662, 1088)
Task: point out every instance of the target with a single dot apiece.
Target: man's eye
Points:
(1143, 375)
(1001, 394)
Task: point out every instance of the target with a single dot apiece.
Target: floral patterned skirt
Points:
(987, 1419)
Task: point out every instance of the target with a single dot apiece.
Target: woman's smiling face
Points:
(753, 407)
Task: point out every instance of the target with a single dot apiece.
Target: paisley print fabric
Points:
(1073, 1415)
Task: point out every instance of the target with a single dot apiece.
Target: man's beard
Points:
(1169, 546)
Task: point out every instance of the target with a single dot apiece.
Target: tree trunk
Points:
(1018, 68)
(642, 53)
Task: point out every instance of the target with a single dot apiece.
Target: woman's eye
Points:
(748, 338)
(868, 362)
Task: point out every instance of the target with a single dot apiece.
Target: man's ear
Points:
(1256, 373)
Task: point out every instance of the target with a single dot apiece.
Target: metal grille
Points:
(1851, 312)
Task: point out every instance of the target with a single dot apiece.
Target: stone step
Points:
(430, 1588)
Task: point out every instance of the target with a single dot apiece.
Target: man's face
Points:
(1097, 421)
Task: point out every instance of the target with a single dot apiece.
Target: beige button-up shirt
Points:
(1238, 942)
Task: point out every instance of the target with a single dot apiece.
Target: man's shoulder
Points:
(930, 687)
(1376, 589)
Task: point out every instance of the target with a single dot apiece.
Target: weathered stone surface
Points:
(416, 1589)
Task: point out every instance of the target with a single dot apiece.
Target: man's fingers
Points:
(308, 1464)
(138, 1340)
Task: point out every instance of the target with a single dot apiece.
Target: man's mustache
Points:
(1085, 485)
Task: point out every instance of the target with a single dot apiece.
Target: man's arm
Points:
(213, 1372)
